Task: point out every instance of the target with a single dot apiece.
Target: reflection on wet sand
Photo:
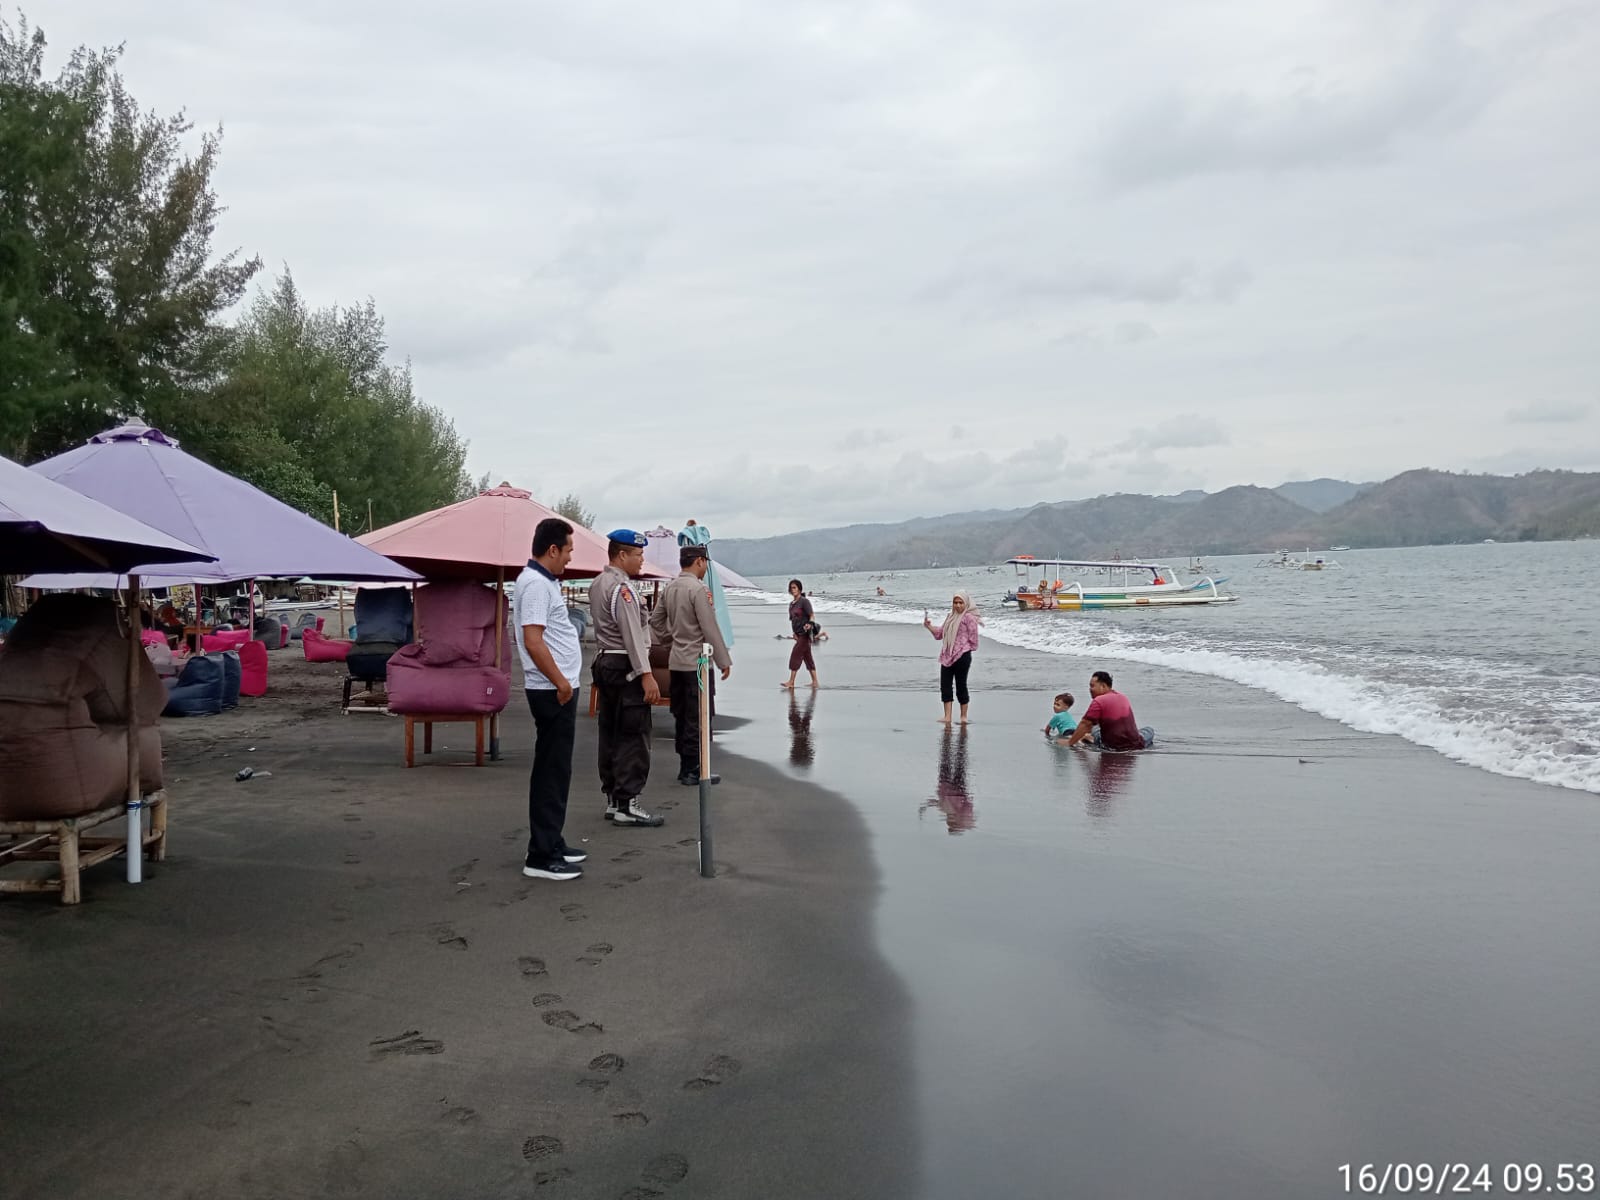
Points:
(950, 795)
(1109, 772)
(801, 752)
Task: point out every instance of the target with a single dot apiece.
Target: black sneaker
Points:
(556, 870)
(692, 779)
(611, 808)
(573, 855)
(634, 815)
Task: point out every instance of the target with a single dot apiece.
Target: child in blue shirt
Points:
(1062, 723)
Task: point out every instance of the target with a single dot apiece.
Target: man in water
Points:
(1109, 719)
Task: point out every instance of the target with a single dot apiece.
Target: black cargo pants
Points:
(624, 717)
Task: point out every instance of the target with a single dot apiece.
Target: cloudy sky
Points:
(778, 265)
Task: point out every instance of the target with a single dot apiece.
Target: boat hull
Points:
(1072, 602)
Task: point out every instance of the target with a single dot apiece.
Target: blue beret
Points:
(628, 537)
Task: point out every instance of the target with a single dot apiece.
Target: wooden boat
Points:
(1056, 585)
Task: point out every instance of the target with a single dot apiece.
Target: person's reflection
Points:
(1109, 773)
(801, 752)
(951, 796)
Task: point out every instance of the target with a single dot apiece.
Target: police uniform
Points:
(685, 618)
(621, 660)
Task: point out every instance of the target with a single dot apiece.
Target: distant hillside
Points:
(1416, 508)
(1319, 495)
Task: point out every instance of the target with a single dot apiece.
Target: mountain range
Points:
(1422, 507)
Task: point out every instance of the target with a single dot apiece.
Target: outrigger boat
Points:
(1126, 585)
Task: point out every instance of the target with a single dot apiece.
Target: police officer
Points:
(625, 687)
(686, 618)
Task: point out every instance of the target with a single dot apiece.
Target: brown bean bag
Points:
(63, 724)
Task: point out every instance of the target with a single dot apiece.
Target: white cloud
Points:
(800, 246)
(1548, 412)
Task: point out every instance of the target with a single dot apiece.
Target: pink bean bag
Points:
(323, 649)
(152, 637)
(225, 639)
(253, 668)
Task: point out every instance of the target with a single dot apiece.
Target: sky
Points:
(786, 265)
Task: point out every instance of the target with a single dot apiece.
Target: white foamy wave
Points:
(1555, 748)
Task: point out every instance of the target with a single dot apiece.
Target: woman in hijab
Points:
(958, 638)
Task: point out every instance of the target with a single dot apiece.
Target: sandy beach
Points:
(340, 984)
(935, 964)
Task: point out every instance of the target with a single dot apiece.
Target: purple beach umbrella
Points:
(249, 534)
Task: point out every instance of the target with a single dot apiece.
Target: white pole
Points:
(135, 793)
(708, 866)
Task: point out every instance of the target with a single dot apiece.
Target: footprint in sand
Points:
(350, 817)
(351, 859)
(545, 1000)
(596, 953)
(687, 841)
(458, 874)
(630, 1120)
(338, 960)
(445, 935)
(409, 1042)
(511, 835)
(541, 1147)
(719, 1069)
(532, 968)
(627, 856)
(607, 1064)
(574, 912)
(624, 880)
(555, 1176)
(667, 1170)
(570, 1021)
(460, 1115)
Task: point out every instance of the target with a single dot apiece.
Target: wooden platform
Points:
(64, 843)
(481, 722)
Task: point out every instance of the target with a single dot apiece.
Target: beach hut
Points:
(46, 526)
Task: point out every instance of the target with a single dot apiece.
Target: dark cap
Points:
(628, 537)
(687, 554)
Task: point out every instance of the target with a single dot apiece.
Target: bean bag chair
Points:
(63, 711)
(383, 616)
(323, 649)
(199, 689)
(232, 677)
(253, 669)
(271, 632)
(451, 667)
(224, 639)
(153, 637)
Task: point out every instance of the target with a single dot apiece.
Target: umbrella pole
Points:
(499, 644)
(708, 866)
(135, 794)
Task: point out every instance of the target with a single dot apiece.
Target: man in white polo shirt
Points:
(551, 663)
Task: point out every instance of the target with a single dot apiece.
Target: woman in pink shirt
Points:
(958, 638)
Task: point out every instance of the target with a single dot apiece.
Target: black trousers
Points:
(685, 696)
(954, 678)
(555, 725)
(624, 719)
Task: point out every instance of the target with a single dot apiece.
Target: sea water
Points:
(1489, 654)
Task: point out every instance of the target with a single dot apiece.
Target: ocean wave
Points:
(1457, 715)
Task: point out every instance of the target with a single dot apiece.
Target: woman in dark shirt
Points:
(800, 620)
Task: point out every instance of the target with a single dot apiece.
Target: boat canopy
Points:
(1030, 561)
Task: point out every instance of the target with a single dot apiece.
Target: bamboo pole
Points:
(340, 588)
(135, 794)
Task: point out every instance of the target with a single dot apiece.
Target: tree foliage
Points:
(571, 507)
(109, 296)
(307, 406)
(111, 307)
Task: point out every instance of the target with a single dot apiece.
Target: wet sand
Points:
(1222, 968)
(340, 984)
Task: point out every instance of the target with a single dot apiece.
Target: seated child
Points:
(1062, 724)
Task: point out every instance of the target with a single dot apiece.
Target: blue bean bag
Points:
(198, 692)
(230, 678)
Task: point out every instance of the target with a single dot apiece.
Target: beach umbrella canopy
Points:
(483, 536)
(662, 553)
(46, 526)
(246, 533)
